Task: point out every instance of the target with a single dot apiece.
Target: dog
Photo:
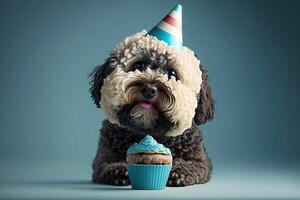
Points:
(146, 87)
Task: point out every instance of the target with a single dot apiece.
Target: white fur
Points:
(185, 90)
(146, 117)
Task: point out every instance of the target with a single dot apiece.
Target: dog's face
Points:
(151, 88)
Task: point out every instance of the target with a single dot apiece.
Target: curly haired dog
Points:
(142, 69)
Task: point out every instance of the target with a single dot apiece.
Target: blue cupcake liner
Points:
(148, 177)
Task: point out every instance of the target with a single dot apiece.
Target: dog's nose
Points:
(149, 91)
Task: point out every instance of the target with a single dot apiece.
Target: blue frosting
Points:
(148, 144)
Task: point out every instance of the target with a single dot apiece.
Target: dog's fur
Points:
(180, 104)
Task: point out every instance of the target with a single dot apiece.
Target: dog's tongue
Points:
(145, 105)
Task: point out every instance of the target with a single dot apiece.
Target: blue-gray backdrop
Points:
(48, 48)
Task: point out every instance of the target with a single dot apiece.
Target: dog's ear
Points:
(98, 75)
(206, 104)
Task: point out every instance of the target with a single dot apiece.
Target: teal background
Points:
(49, 127)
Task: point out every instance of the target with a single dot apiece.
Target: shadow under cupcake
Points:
(149, 164)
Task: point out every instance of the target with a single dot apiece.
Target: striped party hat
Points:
(169, 29)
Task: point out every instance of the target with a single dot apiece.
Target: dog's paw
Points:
(112, 174)
(176, 178)
(120, 177)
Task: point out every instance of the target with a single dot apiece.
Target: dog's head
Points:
(151, 88)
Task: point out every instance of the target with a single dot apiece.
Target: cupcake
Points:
(149, 164)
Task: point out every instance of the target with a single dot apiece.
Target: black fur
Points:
(191, 164)
(206, 104)
(125, 119)
(98, 75)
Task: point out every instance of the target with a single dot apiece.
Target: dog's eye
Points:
(171, 72)
(139, 66)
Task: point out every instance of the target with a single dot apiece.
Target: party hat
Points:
(169, 29)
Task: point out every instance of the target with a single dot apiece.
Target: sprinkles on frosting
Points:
(148, 144)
